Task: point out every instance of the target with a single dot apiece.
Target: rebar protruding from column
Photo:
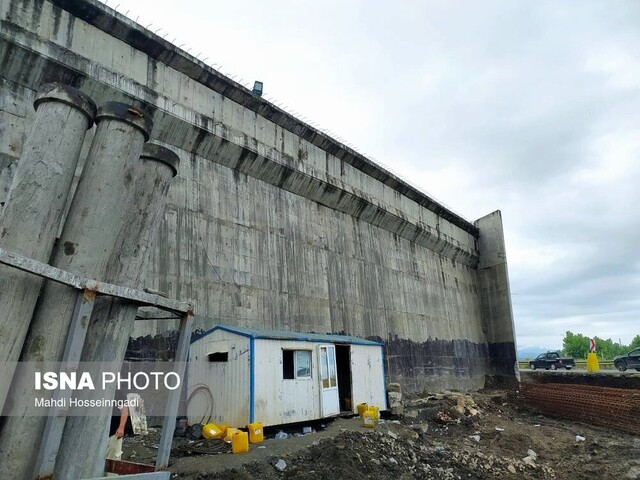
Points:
(35, 206)
(82, 450)
(90, 234)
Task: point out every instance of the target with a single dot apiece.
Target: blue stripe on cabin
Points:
(255, 333)
(252, 382)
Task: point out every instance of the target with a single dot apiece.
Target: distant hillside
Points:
(533, 352)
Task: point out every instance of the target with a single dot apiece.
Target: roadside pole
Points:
(592, 358)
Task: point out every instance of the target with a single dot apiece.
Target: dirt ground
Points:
(486, 435)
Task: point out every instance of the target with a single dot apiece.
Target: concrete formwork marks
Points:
(497, 315)
(269, 222)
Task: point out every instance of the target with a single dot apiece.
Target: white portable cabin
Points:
(242, 375)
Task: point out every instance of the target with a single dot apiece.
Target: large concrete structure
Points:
(270, 223)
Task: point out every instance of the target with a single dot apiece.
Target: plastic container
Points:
(228, 436)
(211, 430)
(240, 442)
(376, 411)
(223, 427)
(256, 432)
(369, 419)
(362, 407)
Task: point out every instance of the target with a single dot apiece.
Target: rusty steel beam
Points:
(63, 277)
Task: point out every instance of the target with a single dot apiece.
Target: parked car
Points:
(629, 360)
(553, 361)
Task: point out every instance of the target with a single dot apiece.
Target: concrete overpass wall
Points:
(270, 222)
(495, 294)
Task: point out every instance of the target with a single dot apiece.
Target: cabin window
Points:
(296, 364)
(218, 351)
(219, 357)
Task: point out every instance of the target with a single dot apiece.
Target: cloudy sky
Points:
(532, 108)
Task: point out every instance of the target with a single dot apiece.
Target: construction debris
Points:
(137, 414)
(394, 395)
(422, 446)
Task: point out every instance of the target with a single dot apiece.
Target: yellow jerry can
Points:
(369, 419)
(240, 442)
(228, 436)
(362, 407)
(256, 432)
(211, 430)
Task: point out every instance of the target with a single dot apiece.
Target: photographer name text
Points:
(83, 403)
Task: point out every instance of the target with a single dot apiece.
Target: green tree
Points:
(608, 349)
(575, 345)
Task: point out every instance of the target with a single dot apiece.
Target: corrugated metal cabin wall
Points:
(368, 376)
(199, 375)
(279, 401)
(227, 381)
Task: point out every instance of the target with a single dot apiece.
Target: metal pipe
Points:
(35, 206)
(91, 231)
(82, 451)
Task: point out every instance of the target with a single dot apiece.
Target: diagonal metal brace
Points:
(81, 283)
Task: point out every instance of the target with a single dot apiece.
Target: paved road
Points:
(603, 378)
(577, 370)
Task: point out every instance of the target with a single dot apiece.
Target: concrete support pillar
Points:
(82, 450)
(35, 206)
(495, 297)
(97, 216)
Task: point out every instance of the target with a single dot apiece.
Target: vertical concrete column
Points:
(82, 450)
(91, 231)
(495, 298)
(35, 206)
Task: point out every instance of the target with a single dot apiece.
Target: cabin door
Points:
(329, 401)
